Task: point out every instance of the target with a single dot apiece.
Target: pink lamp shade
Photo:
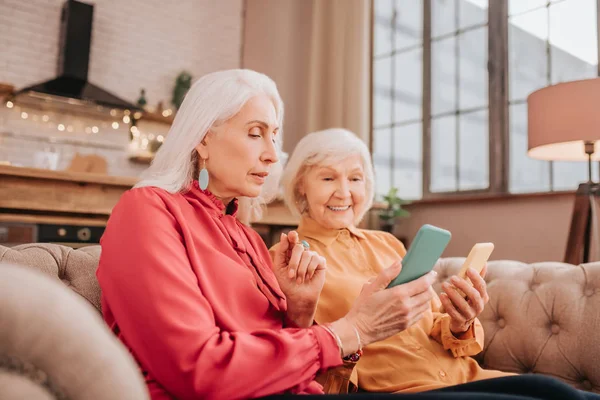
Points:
(561, 117)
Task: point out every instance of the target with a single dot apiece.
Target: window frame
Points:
(498, 103)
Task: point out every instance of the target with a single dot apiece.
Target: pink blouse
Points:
(190, 291)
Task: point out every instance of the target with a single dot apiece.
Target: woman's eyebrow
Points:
(261, 123)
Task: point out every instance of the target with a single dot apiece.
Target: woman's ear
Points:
(202, 147)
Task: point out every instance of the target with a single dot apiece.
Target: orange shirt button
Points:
(442, 374)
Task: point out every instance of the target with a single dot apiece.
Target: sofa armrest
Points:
(541, 317)
(54, 341)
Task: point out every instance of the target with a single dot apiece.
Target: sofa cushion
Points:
(541, 318)
(54, 338)
(75, 268)
(15, 386)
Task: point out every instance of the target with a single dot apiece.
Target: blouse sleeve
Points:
(467, 344)
(152, 292)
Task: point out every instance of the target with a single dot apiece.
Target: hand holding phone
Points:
(476, 259)
(426, 249)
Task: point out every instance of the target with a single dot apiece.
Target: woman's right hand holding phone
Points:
(379, 313)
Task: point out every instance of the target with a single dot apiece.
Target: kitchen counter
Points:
(30, 196)
(59, 193)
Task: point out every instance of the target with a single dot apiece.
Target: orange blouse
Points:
(424, 357)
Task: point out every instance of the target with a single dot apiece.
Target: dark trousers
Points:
(518, 387)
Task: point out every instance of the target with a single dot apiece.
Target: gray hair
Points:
(211, 101)
(324, 147)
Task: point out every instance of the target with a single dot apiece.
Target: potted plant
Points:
(393, 211)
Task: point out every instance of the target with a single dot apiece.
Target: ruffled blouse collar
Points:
(212, 201)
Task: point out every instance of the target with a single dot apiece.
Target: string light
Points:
(145, 143)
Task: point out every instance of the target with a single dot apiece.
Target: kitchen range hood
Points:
(71, 86)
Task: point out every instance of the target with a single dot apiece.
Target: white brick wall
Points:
(135, 44)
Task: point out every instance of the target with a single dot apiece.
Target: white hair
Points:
(324, 147)
(212, 100)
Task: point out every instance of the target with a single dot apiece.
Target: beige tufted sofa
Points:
(541, 318)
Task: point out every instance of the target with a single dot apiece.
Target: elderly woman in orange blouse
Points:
(328, 181)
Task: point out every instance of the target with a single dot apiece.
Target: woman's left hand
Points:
(464, 310)
(301, 276)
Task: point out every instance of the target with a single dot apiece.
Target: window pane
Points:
(443, 17)
(409, 86)
(473, 141)
(473, 88)
(382, 154)
(573, 37)
(472, 12)
(382, 91)
(567, 175)
(443, 154)
(526, 174)
(382, 30)
(409, 23)
(408, 161)
(522, 6)
(527, 35)
(443, 76)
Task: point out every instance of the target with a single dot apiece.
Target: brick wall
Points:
(135, 44)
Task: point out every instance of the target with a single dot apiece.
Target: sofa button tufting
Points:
(533, 286)
(589, 292)
(587, 385)
(555, 329)
(501, 323)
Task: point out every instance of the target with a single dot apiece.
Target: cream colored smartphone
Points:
(476, 259)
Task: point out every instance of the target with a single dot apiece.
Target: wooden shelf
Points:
(35, 174)
(157, 117)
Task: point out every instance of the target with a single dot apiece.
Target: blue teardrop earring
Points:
(203, 176)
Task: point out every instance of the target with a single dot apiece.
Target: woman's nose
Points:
(270, 153)
(343, 189)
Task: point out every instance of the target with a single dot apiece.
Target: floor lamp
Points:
(564, 125)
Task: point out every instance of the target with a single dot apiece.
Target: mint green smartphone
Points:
(426, 249)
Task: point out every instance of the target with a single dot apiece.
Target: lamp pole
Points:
(589, 150)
